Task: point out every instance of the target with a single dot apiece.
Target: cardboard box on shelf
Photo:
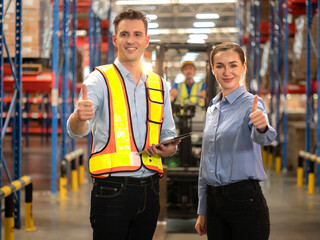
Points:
(36, 29)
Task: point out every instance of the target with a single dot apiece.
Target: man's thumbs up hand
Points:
(257, 117)
(85, 109)
(84, 92)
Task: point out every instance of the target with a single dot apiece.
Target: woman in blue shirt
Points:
(231, 203)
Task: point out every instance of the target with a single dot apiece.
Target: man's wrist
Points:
(263, 131)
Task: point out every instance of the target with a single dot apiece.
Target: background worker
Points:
(113, 106)
(189, 90)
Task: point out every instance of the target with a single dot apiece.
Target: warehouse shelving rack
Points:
(279, 31)
(15, 105)
(96, 46)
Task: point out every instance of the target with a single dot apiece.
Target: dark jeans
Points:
(124, 208)
(237, 211)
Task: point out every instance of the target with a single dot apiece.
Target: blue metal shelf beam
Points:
(65, 77)
(111, 48)
(309, 114)
(1, 93)
(318, 100)
(285, 84)
(271, 59)
(17, 120)
(254, 48)
(55, 97)
(277, 65)
(240, 16)
(74, 60)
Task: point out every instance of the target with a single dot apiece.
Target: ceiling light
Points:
(207, 16)
(171, 2)
(198, 36)
(166, 31)
(152, 16)
(158, 31)
(203, 24)
(154, 40)
(153, 25)
(205, 1)
(193, 40)
(189, 56)
(201, 30)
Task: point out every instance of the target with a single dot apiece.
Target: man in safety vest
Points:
(128, 111)
(189, 91)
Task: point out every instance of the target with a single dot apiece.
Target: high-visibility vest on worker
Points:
(194, 97)
(120, 152)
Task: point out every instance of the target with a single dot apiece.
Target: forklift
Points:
(183, 167)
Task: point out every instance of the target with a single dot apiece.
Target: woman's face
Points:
(228, 69)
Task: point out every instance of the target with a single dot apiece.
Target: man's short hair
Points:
(130, 14)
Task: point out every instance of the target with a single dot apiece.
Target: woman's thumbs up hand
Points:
(257, 117)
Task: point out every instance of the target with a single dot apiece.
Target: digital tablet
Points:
(172, 140)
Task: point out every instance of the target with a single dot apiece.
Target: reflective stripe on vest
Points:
(194, 97)
(120, 152)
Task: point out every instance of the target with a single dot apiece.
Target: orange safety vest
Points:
(120, 152)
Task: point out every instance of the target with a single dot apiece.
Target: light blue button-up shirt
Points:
(98, 94)
(231, 149)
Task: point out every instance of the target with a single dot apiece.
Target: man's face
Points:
(189, 71)
(131, 40)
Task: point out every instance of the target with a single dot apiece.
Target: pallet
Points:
(31, 69)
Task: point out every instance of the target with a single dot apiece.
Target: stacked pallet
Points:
(36, 28)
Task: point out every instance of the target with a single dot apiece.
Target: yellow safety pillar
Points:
(81, 170)
(9, 218)
(63, 180)
(278, 164)
(265, 155)
(28, 209)
(74, 176)
(311, 178)
(270, 157)
(300, 172)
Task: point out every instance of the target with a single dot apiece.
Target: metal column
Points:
(240, 20)
(55, 97)
(277, 62)
(74, 60)
(308, 85)
(65, 77)
(285, 84)
(2, 131)
(111, 48)
(271, 59)
(318, 100)
(17, 120)
(254, 49)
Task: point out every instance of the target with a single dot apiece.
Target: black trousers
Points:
(237, 211)
(124, 208)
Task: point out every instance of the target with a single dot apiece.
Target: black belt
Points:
(129, 180)
(233, 186)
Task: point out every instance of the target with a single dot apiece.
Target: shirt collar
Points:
(127, 75)
(231, 97)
